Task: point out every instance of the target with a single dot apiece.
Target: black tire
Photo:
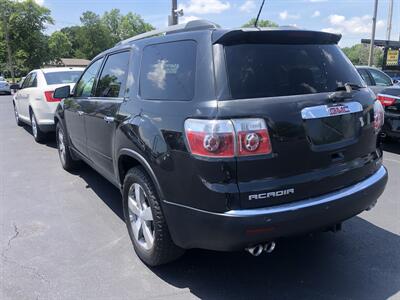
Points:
(163, 249)
(67, 162)
(16, 115)
(38, 134)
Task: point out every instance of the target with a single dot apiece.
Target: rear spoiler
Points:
(280, 35)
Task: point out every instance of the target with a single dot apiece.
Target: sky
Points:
(351, 18)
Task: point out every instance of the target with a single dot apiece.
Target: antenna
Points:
(259, 12)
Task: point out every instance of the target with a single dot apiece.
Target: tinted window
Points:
(380, 78)
(266, 70)
(62, 77)
(113, 76)
(85, 84)
(364, 74)
(26, 81)
(168, 71)
(32, 81)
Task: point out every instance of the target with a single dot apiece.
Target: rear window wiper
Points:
(344, 91)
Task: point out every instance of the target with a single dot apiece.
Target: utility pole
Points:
(7, 38)
(371, 46)
(389, 21)
(173, 18)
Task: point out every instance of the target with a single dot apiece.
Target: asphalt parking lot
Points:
(63, 237)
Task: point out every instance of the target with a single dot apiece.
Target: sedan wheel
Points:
(19, 123)
(38, 134)
(34, 126)
(61, 146)
(141, 217)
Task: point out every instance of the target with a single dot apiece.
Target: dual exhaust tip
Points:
(260, 248)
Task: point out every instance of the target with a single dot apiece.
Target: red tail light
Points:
(212, 138)
(227, 138)
(252, 137)
(50, 98)
(386, 100)
(379, 116)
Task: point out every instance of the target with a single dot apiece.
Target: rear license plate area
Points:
(331, 130)
(335, 123)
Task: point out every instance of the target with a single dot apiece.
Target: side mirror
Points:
(15, 86)
(62, 92)
(395, 81)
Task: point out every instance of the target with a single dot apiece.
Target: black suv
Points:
(225, 139)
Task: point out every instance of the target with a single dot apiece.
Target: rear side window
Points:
(62, 77)
(113, 77)
(269, 70)
(84, 86)
(168, 71)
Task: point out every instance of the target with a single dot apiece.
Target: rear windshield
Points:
(62, 77)
(266, 70)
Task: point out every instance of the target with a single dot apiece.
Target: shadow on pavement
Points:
(347, 265)
(107, 192)
(392, 146)
(50, 140)
(361, 262)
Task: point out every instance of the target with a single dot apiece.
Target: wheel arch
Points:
(128, 159)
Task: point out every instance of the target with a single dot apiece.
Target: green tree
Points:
(124, 26)
(26, 21)
(59, 45)
(94, 36)
(359, 53)
(261, 23)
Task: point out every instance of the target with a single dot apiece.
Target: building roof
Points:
(74, 62)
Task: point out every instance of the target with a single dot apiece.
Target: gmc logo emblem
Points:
(338, 110)
(271, 194)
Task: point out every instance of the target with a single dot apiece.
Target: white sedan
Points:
(4, 86)
(34, 103)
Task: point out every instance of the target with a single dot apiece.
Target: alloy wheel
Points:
(141, 217)
(34, 126)
(16, 114)
(61, 146)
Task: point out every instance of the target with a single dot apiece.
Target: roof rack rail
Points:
(189, 26)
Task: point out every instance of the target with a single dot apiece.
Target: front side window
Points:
(26, 81)
(380, 78)
(32, 81)
(113, 77)
(271, 70)
(84, 86)
(168, 71)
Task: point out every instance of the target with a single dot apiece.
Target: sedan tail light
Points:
(379, 116)
(49, 97)
(227, 138)
(386, 100)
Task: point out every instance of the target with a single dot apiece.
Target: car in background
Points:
(34, 103)
(4, 86)
(375, 78)
(395, 75)
(390, 99)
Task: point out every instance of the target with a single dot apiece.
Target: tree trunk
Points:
(7, 38)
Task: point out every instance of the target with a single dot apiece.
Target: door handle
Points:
(80, 113)
(109, 119)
